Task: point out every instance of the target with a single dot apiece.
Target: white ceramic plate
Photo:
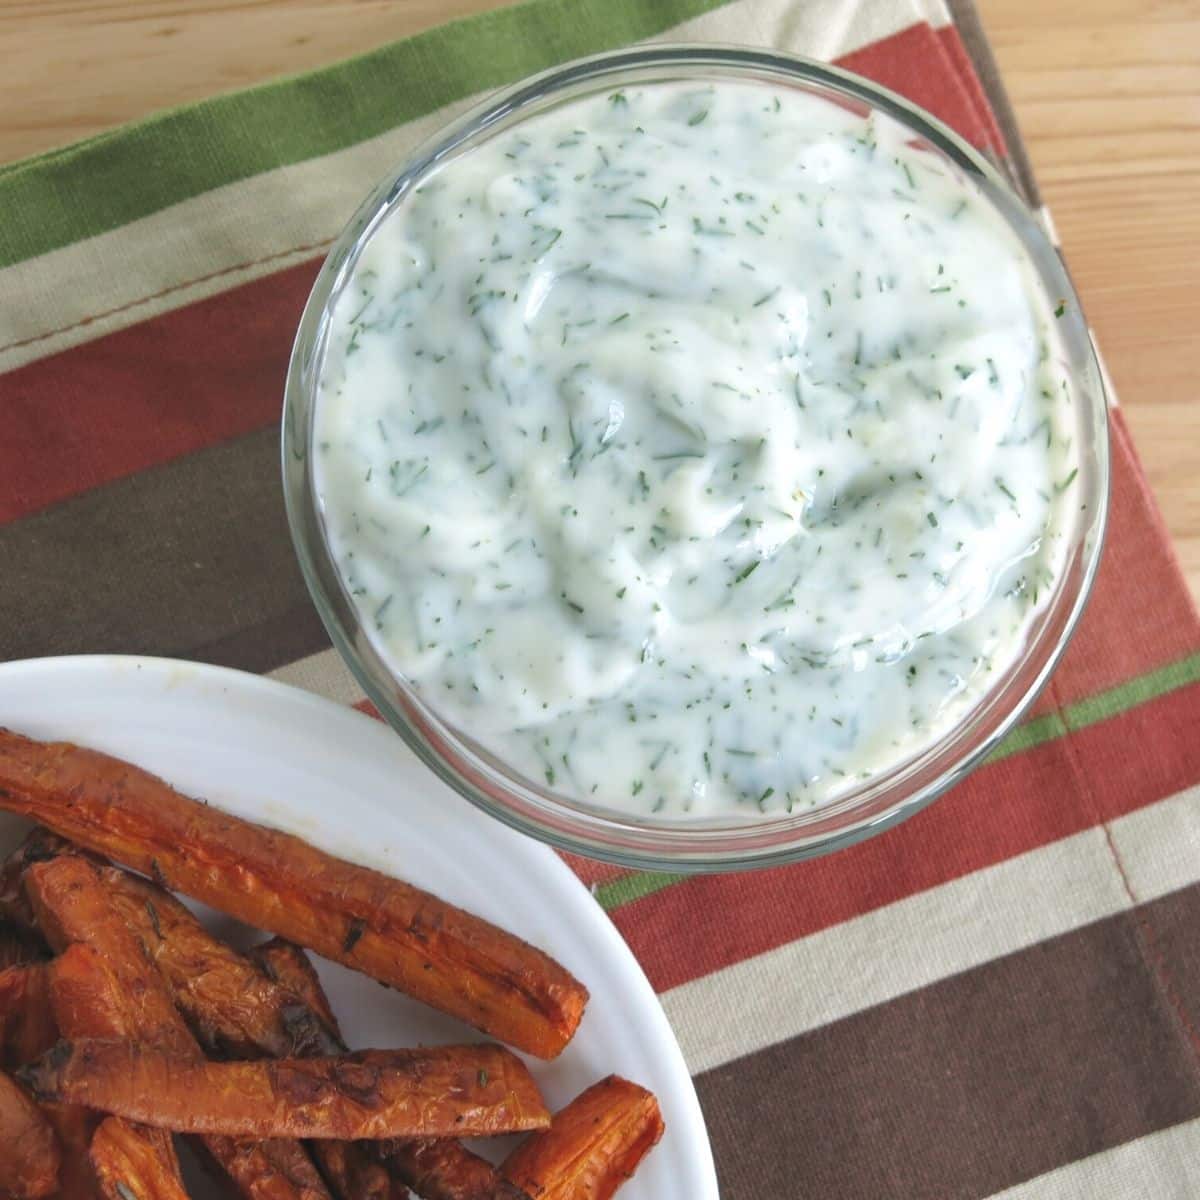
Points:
(345, 782)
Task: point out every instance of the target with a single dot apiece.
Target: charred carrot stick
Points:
(393, 931)
(29, 1154)
(128, 1164)
(27, 1028)
(444, 1169)
(449, 1090)
(592, 1146)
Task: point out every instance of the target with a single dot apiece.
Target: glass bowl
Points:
(681, 845)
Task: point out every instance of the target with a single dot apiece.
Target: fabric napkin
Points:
(1000, 997)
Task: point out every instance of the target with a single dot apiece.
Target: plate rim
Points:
(31, 671)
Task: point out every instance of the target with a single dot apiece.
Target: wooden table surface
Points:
(1107, 92)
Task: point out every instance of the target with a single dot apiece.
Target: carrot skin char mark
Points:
(289, 966)
(404, 936)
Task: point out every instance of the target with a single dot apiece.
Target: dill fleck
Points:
(1066, 483)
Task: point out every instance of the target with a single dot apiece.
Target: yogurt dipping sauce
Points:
(699, 451)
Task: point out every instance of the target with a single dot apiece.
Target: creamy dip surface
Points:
(698, 451)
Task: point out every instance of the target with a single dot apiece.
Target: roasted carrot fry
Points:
(592, 1146)
(288, 965)
(450, 1090)
(128, 1163)
(29, 1153)
(444, 1169)
(27, 1028)
(391, 930)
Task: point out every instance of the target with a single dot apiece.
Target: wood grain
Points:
(1107, 92)
(1108, 95)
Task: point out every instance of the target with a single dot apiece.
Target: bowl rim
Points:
(678, 846)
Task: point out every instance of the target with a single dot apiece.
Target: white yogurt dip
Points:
(697, 450)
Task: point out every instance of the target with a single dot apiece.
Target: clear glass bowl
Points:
(729, 843)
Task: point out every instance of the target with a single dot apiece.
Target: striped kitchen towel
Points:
(1000, 997)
